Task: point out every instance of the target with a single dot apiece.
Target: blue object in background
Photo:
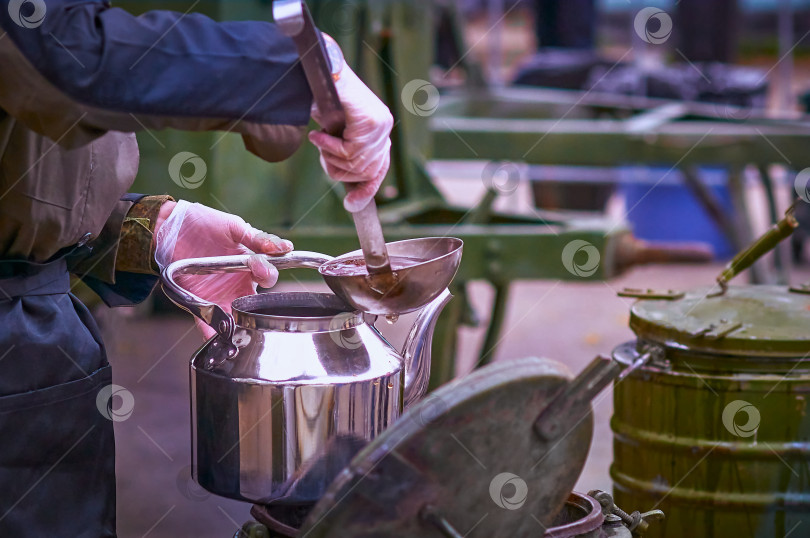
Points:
(745, 5)
(661, 207)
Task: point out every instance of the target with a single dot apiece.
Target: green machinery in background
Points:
(390, 43)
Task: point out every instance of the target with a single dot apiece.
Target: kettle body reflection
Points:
(303, 385)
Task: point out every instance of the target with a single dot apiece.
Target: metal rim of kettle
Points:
(245, 314)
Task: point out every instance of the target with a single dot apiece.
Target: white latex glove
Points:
(364, 153)
(186, 230)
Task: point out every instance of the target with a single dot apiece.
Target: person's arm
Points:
(89, 68)
(146, 233)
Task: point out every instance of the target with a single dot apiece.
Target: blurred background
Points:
(665, 134)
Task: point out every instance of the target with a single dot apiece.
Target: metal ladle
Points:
(294, 20)
(382, 291)
(416, 285)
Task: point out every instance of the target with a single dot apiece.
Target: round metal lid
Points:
(747, 320)
(466, 456)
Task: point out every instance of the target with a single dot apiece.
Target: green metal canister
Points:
(713, 430)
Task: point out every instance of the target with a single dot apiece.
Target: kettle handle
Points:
(211, 313)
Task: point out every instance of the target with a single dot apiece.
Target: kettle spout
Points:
(416, 350)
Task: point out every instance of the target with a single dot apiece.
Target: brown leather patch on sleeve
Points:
(136, 252)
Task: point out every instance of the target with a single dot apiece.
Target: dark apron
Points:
(57, 453)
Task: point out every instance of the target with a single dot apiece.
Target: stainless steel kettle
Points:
(293, 385)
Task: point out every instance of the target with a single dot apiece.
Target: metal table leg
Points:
(744, 234)
(495, 324)
(781, 256)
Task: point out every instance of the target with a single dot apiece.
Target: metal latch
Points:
(717, 330)
(650, 293)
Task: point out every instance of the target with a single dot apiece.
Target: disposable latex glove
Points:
(186, 230)
(364, 153)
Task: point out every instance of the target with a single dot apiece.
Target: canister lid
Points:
(746, 320)
(465, 456)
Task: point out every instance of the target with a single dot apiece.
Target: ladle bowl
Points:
(434, 263)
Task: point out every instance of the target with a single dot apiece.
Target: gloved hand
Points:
(186, 230)
(364, 153)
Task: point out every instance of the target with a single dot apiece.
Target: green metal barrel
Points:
(714, 430)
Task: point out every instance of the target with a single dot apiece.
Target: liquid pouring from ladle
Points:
(321, 60)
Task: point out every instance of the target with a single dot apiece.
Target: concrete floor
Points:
(567, 321)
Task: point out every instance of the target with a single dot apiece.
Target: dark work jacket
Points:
(76, 84)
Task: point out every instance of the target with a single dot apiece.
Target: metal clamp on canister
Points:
(636, 522)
